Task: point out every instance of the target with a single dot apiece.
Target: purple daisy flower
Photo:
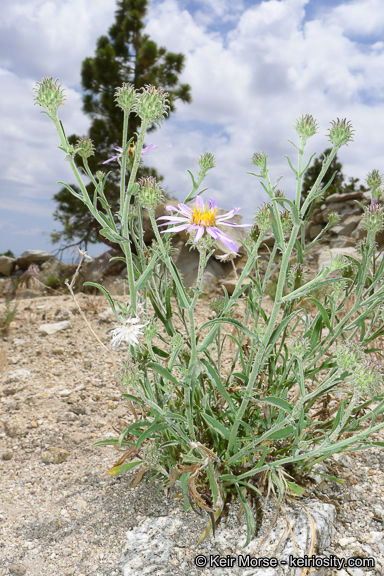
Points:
(202, 219)
(131, 152)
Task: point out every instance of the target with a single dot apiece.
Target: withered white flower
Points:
(127, 332)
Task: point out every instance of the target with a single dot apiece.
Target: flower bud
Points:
(306, 126)
(206, 161)
(333, 218)
(373, 218)
(338, 262)
(341, 132)
(100, 175)
(85, 147)
(375, 180)
(263, 218)
(255, 233)
(152, 104)
(259, 159)
(297, 276)
(286, 222)
(49, 95)
(299, 346)
(126, 97)
(150, 194)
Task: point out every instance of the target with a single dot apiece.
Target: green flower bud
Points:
(150, 194)
(255, 233)
(263, 218)
(306, 126)
(366, 375)
(299, 346)
(338, 290)
(49, 95)
(374, 180)
(150, 331)
(85, 147)
(373, 218)
(333, 218)
(341, 132)
(126, 97)
(286, 222)
(206, 162)
(100, 175)
(296, 277)
(338, 261)
(152, 105)
(259, 159)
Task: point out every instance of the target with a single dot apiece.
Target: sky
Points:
(254, 68)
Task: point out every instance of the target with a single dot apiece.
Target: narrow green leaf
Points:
(217, 381)
(278, 402)
(106, 294)
(133, 398)
(159, 369)
(232, 321)
(216, 425)
(143, 280)
(322, 311)
(124, 467)
(150, 432)
(251, 524)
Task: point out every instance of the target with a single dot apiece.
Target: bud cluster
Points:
(306, 126)
(366, 375)
(374, 180)
(49, 95)
(150, 194)
(299, 346)
(152, 104)
(126, 97)
(85, 147)
(206, 161)
(333, 218)
(263, 218)
(373, 218)
(297, 276)
(286, 222)
(341, 132)
(259, 159)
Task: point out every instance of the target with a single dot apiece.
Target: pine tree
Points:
(125, 55)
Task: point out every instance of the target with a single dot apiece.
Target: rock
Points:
(67, 417)
(48, 329)
(102, 266)
(87, 363)
(17, 375)
(62, 314)
(7, 455)
(52, 268)
(7, 265)
(7, 287)
(155, 540)
(32, 257)
(342, 242)
(312, 230)
(15, 428)
(54, 456)
(107, 316)
(77, 409)
(357, 195)
(17, 569)
(346, 226)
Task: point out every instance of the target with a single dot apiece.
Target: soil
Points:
(60, 512)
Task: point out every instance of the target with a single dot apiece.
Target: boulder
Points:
(102, 266)
(50, 268)
(33, 257)
(6, 265)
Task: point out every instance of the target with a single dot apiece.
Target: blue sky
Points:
(254, 68)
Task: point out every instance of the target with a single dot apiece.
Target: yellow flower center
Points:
(206, 217)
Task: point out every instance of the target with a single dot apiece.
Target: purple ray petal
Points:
(226, 240)
(213, 232)
(233, 224)
(200, 203)
(173, 218)
(228, 215)
(110, 159)
(212, 203)
(148, 149)
(199, 233)
(185, 210)
(176, 228)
